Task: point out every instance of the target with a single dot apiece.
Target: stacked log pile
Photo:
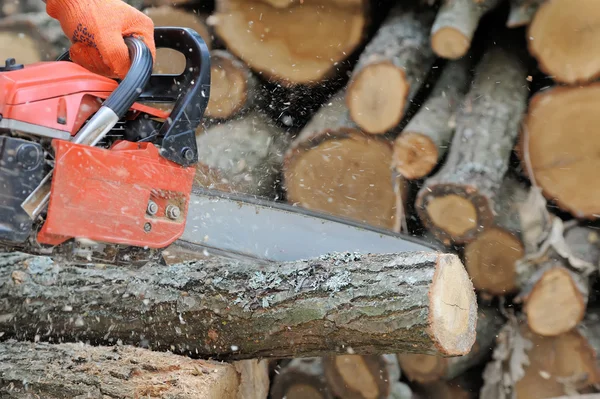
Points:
(467, 123)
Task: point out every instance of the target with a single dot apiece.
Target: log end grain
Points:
(423, 368)
(450, 43)
(415, 155)
(302, 378)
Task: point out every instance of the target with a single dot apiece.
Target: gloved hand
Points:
(97, 28)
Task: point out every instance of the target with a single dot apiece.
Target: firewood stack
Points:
(468, 123)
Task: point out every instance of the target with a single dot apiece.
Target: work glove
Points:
(96, 29)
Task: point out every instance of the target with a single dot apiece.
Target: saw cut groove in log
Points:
(566, 54)
(267, 38)
(302, 378)
(426, 368)
(491, 257)
(233, 87)
(419, 302)
(456, 204)
(563, 148)
(361, 377)
(455, 26)
(68, 370)
(522, 12)
(246, 151)
(426, 138)
(333, 167)
(391, 69)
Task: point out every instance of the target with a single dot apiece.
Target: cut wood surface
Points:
(456, 204)
(426, 368)
(559, 143)
(560, 39)
(521, 12)
(277, 42)
(246, 151)
(419, 302)
(426, 138)
(333, 167)
(361, 377)
(491, 257)
(254, 378)
(233, 86)
(302, 378)
(455, 26)
(391, 69)
(76, 370)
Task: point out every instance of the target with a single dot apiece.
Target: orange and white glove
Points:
(97, 29)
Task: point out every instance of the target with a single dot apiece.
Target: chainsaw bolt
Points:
(147, 227)
(188, 154)
(173, 212)
(152, 208)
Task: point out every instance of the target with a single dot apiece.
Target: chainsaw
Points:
(92, 170)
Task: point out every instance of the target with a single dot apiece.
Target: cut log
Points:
(425, 368)
(455, 26)
(302, 378)
(69, 370)
(442, 389)
(391, 69)
(268, 40)
(426, 138)
(566, 54)
(418, 302)
(559, 143)
(522, 12)
(491, 257)
(246, 151)
(254, 378)
(333, 167)
(456, 204)
(554, 284)
(361, 377)
(233, 86)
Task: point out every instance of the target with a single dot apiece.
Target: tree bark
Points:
(302, 378)
(455, 26)
(410, 302)
(426, 138)
(521, 12)
(456, 204)
(391, 69)
(69, 370)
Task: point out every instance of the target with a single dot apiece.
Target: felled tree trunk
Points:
(456, 204)
(426, 138)
(426, 368)
(238, 310)
(69, 370)
(522, 12)
(455, 26)
(491, 257)
(391, 69)
(333, 167)
(559, 145)
(268, 40)
(246, 151)
(302, 378)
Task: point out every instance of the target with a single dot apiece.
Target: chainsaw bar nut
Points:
(152, 208)
(173, 212)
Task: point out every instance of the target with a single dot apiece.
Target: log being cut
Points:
(421, 302)
(456, 204)
(391, 69)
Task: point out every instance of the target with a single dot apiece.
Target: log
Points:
(223, 308)
(302, 378)
(554, 284)
(455, 25)
(268, 40)
(77, 370)
(442, 389)
(233, 90)
(521, 12)
(560, 152)
(254, 378)
(246, 151)
(391, 69)
(456, 204)
(426, 368)
(333, 167)
(565, 54)
(361, 377)
(425, 139)
(491, 257)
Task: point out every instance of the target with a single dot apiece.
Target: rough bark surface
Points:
(456, 204)
(414, 302)
(69, 370)
(302, 378)
(521, 12)
(426, 138)
(391, 69)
